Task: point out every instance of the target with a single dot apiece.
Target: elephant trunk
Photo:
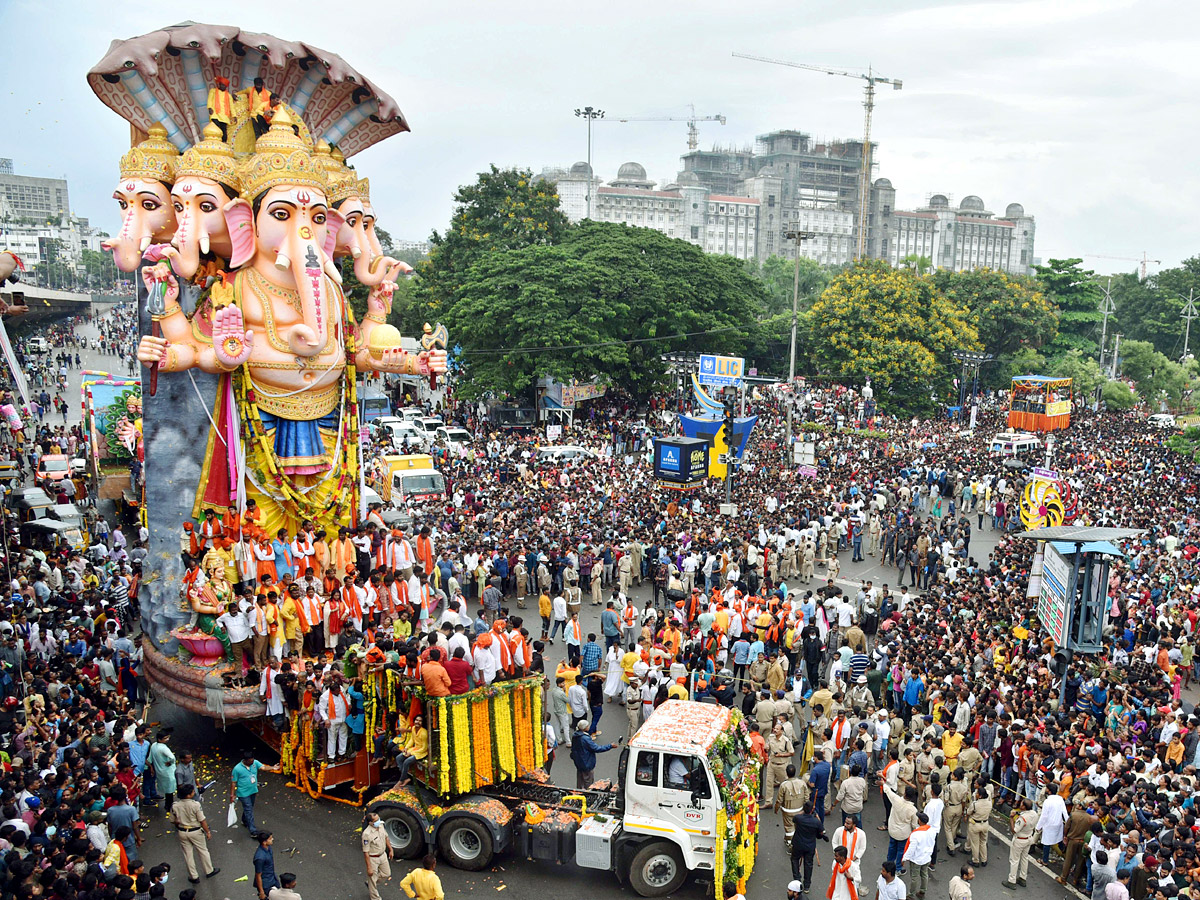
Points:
(366, 266)
(188, 242)
(309, 336)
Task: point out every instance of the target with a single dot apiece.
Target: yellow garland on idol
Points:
(443, 746)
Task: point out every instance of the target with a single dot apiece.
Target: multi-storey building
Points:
(32, 197)
(963, 238)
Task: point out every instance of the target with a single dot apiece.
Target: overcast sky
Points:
(1084, 111)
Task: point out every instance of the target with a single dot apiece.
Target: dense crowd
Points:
(936, 686)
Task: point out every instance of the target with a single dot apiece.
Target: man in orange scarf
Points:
(846, 877)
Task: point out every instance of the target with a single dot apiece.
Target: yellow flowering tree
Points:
(893, 327)
(1009, 312)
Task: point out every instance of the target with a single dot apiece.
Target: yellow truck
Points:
(402, 479)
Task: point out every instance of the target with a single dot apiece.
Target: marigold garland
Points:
(505, 752)
(482, 742)
(443, 747)
(463, 770)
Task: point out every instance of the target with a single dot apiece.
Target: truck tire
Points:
(403, 830)
(466, 844)
(657, 870)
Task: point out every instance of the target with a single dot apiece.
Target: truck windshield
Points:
(426, 483)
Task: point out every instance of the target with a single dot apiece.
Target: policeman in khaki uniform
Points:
(978, 813)
(790, 800)
(633, 705)
(1024, 824)
(192, 830)
(956, 796)
(377, 851)
(970, 760)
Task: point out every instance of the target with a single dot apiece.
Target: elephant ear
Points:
(239, 219)
(334, 220)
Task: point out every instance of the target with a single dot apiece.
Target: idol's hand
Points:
(161, 274)
(232, 344)
(152, 351)
(431, 362)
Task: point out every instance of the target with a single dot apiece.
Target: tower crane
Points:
(871, 80)
(693, 131)
(1142, 261)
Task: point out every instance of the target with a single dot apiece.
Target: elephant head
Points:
(147, 172)
(356, 238)
(205, 183)
(283, 228)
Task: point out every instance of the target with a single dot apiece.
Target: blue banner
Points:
(708, 428)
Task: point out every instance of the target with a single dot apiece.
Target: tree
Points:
(1157, 378)
(1075, 292)
(778, 275)
(503, 210)
(607, 300)
(1187, 443)
(891, 326)
(922, 264)
(1083, 371)
(1025, 361)
(1118, 395)
(1008, 312)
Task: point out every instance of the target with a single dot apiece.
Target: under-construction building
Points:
(805, 185)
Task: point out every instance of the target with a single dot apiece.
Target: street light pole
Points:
(799, 237)
(590, 114)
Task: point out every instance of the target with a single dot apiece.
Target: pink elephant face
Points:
(146, 217)
(291, 220)
(368, 227)
(200, 221)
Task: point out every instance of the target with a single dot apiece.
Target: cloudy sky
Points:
(1081, 110)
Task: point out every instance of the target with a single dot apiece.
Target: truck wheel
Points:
(657, 870)
(466, 844)
(403, 830)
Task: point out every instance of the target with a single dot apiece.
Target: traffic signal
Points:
(1061, 662)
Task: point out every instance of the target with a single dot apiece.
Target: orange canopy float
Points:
(1039, 403)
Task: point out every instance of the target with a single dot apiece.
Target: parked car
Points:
(1162, 420)
(427, 427)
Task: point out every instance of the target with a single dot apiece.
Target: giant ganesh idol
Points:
(236, 199)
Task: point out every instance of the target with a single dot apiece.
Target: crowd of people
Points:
(930, 694)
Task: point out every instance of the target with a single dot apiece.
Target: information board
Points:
(1053, 611)
(721, 371)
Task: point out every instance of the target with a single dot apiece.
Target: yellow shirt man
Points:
(951, 745)
(423, 884)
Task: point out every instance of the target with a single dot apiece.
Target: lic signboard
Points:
(721, 371)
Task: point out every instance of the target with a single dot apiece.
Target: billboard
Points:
(680, 462)
(1053, 611)
(721, 371)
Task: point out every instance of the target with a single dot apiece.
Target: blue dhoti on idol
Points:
(299, 446)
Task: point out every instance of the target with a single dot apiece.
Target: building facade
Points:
(965, 237)
(31, 197)
(796, 179)
(687, 210)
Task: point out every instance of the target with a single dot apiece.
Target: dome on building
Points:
(883, 183)
(971, 202)
(1014, 211)
(939, 200)
(581, 169)
(631, 171)
(687, 179)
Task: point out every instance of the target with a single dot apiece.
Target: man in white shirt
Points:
(918, 854)
(485, 666)
(235, 625)
(890, 886)
(577, 699)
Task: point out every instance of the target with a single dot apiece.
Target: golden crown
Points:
(154, 158)
(364, 190)
(211, 158)
(280, 157)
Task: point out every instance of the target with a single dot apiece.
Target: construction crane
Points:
(1142, 261)
(871, 79)
(693, 131)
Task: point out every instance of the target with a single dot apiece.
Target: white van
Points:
(1162, 420)
(1013, 443)
(37, 345)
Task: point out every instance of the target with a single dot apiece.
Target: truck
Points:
(408, 477)
(684, 800)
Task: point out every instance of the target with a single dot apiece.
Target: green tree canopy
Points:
(892, 326)
(1075, 292)
(778, 275)
(1118, 395)
(505, 209)
(588, 305)
(1157, 378)
(1009, 313)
